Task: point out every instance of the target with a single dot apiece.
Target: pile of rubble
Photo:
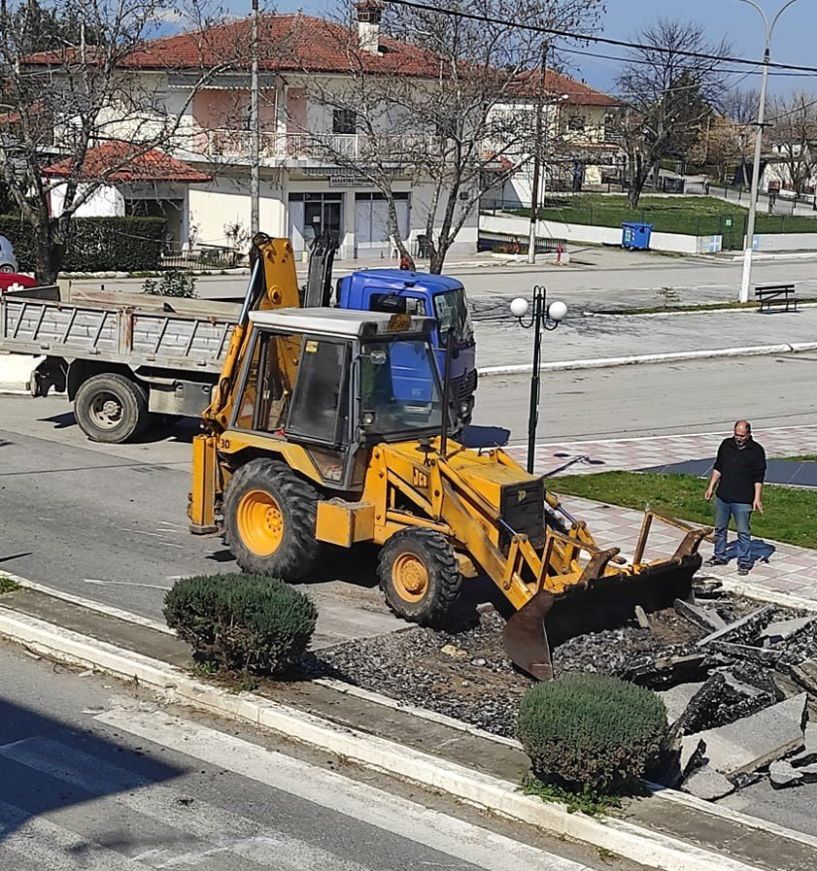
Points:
(737, 679)
(749, 717)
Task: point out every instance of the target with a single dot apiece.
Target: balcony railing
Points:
(315, 146)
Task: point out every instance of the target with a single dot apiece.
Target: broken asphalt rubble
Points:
(747, 715)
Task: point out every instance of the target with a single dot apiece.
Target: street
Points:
(108, 522)
(98, 776)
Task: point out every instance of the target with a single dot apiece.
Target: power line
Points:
(585, 37)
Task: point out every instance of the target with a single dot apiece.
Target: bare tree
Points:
(670, 95)
(794, 137)
(73, 87)
(441, 102)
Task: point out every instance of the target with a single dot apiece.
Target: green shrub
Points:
(123, 244)
(174, 282)
(238, 622)
(591, 733)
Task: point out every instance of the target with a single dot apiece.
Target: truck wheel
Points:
(111, 408)
(419, 575)
(269, 520)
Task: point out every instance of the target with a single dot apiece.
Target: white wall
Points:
(785, 242)
(675, 242)
(105, 201)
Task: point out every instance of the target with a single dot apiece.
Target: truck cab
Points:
(419, 294)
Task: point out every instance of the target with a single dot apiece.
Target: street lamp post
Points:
(255, 164)
(746, 279)
(546, 317)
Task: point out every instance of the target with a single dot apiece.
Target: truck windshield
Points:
(452, 314)
(399, 388)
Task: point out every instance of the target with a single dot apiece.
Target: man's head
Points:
(742, 432)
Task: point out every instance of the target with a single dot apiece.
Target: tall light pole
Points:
(746, 279)
(537, 157)
(546, 317)
(255, 169)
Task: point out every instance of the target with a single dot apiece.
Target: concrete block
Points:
(782, 630)
(755, 741)
(708, 784)
(806, 675)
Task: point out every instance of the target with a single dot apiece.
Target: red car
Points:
(15, 281)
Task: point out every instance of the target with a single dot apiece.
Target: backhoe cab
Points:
(327, 429)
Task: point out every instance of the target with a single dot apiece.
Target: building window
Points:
(344, 121)
(576, 123)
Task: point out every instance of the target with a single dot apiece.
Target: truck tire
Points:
(419, 575)
(269, 520)
(111, 408)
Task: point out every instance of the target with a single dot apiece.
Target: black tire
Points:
(297, 502)
(441, 588)
(111, 408)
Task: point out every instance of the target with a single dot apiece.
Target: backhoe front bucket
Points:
(525, 639)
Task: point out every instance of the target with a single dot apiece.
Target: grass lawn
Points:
(791, 515)
(696, 216)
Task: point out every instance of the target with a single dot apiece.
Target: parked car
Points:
(8, 262)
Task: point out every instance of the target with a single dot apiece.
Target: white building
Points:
(301, 191)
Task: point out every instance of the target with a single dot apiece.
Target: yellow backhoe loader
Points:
(327, 427)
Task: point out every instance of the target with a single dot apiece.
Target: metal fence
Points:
(509, 243)
(201, 257)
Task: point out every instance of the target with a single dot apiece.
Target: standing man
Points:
(738, 475)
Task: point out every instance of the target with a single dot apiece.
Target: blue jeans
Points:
(742, 512)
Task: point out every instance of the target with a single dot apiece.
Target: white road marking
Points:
(55, 848)
(361, 802)
(215, 828)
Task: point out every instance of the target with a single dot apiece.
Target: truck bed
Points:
(130, 328)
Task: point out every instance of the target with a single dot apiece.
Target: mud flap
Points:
(525, 639)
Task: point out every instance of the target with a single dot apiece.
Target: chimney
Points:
(369, 13)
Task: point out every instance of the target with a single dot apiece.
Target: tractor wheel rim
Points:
(410, 577)
(260, 522)
(106, 410)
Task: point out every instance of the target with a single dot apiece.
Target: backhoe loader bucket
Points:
(604, 604)
(525, 639)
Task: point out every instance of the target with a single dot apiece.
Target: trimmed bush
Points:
(125, 244)
(591, 733)
(237, 622)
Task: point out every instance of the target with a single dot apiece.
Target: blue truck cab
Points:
(419, 293)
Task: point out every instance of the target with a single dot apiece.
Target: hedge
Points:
(591, 732)
(237, 622)
(126, 244)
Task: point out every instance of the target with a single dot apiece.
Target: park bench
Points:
(775, 294)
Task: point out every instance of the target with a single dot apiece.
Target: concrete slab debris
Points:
(722, 699)
(705, 618)
(749, 622)
(755, 741)
(677, 698)
(783, 774)
(782, 630)
(808, 755)
(708, 784)
(806, 675)
(641, 617)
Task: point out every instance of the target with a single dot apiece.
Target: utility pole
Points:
(537, 156)
(746, 279)
(255, 169)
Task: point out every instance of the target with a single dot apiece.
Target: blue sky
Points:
(793, 42)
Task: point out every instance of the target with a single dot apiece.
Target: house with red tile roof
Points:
(304, 190)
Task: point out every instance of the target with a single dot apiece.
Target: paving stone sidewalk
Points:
(778, 567)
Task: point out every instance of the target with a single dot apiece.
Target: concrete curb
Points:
(674, 357)
(618, 836)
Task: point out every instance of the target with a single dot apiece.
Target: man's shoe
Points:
(744, 570)
(716, 561)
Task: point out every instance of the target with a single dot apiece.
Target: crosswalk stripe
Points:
(55, 848)
(361, 802)
(215, 827)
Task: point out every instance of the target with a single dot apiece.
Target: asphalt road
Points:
(98, 778)
(109, 522)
